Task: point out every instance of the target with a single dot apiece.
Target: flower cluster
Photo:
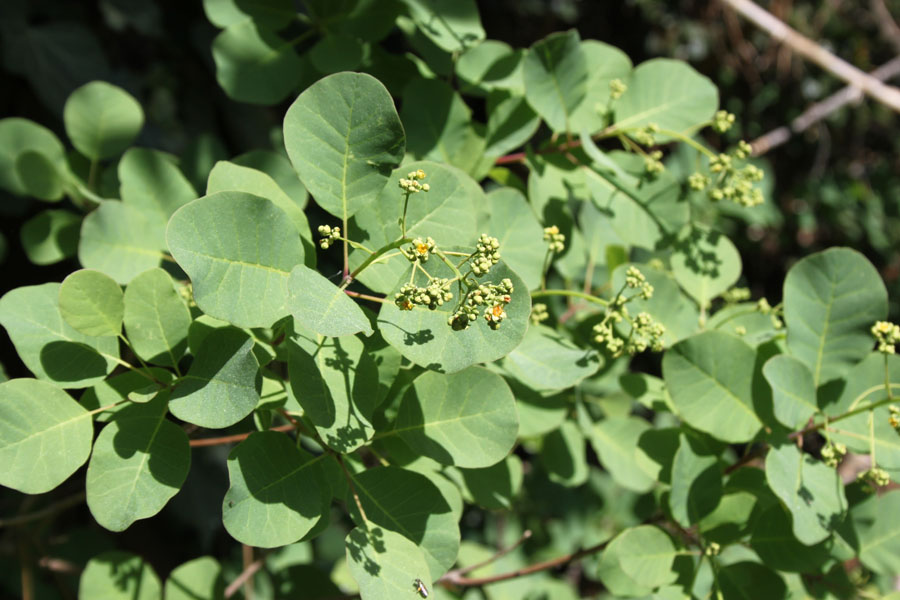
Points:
(617, 87)
(635, 279)
(886, 335)
(763, 306)
(431, 296)
(329, 234)
(833, 453)
(556, 240)
(722, 121)
(736, 294)
(412, 185)
(894, 418)
(645, 333)
(486, 255)
(873, 478)
(653, 165)
(539, 312)
(419, 250)
(488, 299)
(644, 135)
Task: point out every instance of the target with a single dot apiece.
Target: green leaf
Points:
(669, 93)
(831, 299)
(140, 461)
(121, 240)
(343, 136)
(646, 555)
(385, 564)
(275, 496)
(439, 125)
(275, 14)
(555, 71)
(642, 213)
(491, 65)
(320, 306)
(793, 391)
(278, 167)
(538, 414)
(511, 123)
(102, 119)
(606, 63)
(19, 136)
(254, 65)
(223, 384)
(710, 379)
(39, 176)
(336, 52)
(49, 347)
(515, 225)
(334, 380)
(198, 579)
(92, 303)
(468, 419)
(614, 441)
(226, 176)
(151, 181)
(44, 435)
(410, 504)
(111, 393)
(696, 481)
(493, 487)
(156, 318)
(878, 532)
(447, 214)
(613, 576)
(751, 580)
(810, 490)
(50, 236)
(705, 263)
(548, 361)
(453, 25)
(118, 575)
(563, 455)
(238, 250)
(773, 541)
(668, 305)
(424, 337)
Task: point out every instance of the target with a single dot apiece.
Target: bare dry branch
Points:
(871, 86)
(820, 110)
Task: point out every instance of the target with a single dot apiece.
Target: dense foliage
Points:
(500, 325)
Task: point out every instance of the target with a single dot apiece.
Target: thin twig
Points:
(359, 506)
(59, 565)
(820, 110)
(871, 86)
(44, 512)
(230, 439)
(366, 297)
(246, 577)
(541, 566)
(499, 554)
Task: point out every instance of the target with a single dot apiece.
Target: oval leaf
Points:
(710, 378)
(468, 419)
(92, 303)
(275, 496)
(102, 119)
(831, 299)
(156, 318)
(320, 306)
(344, 136)
(119, 576)
(385, 564)
(793, 390)
(555, 71)
(223, 384)
(44, 435)
(140, 461)
(239, 250)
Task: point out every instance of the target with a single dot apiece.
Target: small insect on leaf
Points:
(420, 587)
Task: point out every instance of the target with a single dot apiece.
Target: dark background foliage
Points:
(836, 184)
